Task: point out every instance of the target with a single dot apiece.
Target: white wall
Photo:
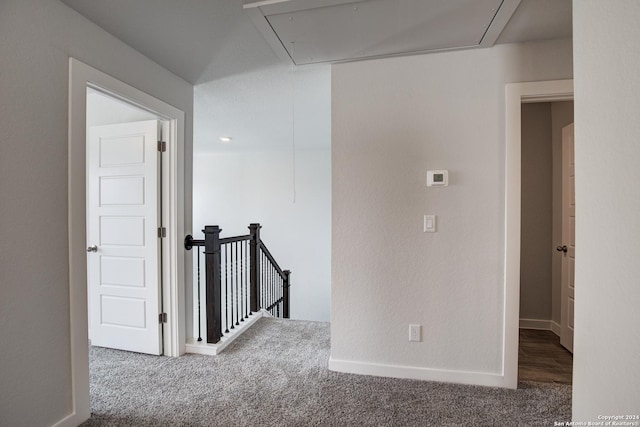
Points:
(105, 110)
(264, 109)
(36, 39)
(392, 119)
(235, 189)
(606, 368)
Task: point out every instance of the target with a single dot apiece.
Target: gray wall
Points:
(535, 255)
(606, 372)
(541, 232)
(37, 37)
(392, 120)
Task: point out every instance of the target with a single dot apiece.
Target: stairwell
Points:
(241, 283)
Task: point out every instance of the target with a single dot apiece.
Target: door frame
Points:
(82, 76)
(515, 95)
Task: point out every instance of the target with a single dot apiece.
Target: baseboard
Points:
(214, 349)
(417, 373)
(542, 325)
(555, 328)
(71, 420)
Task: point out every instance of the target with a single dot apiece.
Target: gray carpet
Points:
(276, 375)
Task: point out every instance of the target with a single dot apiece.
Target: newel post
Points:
(214, 283)
(285, 294)
(254, 276)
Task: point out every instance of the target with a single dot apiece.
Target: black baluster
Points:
(226, 290)
(243, 266)
(236, 265)
(246, 287)
(270, 284)
(231, 280)
(279, 292)
(199, 314)
(241, 281)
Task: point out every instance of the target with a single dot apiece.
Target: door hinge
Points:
(162, 146)
(163, 317)
(162, 232)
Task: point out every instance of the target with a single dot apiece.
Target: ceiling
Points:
(206, 40)
(345, 30)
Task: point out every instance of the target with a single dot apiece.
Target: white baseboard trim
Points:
(71, 420)
(542, 325)
(202, 347)
(555, 328)
(417, 373)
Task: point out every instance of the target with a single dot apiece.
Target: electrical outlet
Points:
(415, 332)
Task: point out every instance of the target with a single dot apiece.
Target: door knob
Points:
(93, 248)
(562, 248)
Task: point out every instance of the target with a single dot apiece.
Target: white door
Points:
(122, 230)
(568, 247)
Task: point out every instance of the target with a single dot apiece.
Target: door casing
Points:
(82, 76)
(515, 95)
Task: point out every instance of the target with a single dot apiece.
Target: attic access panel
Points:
(317, 31)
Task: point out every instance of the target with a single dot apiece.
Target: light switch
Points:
(415, 333)
(429, 223)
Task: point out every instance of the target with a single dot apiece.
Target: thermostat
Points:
(438, 178)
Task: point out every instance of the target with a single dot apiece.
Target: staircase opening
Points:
(237, 281)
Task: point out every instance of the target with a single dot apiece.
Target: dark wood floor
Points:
(541, 358)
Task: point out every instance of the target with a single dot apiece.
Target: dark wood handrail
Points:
(190, 242)
(272, 260)
(235, 239)
(275, 303)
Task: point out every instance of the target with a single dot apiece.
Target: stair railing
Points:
(241, 278)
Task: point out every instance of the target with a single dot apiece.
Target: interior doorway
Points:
(515, 95)
(81, 77)
(541, 357)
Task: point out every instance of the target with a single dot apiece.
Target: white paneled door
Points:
(123, 249)
(568, 246)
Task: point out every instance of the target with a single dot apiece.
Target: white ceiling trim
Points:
(500, 20)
